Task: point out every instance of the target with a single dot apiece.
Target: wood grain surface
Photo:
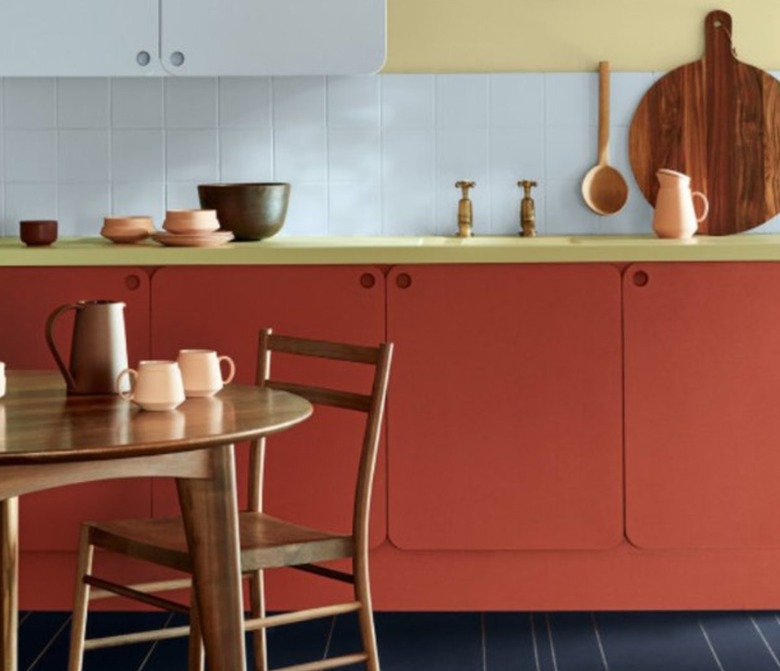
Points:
(717, 120)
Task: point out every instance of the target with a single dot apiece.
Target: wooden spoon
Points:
(603, 188)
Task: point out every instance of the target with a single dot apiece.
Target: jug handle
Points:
(53, 347)
(705, 203)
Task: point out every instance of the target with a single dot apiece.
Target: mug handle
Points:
(706, 204)
(231, 368)
(133, 375)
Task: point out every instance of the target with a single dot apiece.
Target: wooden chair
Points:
(266, 542)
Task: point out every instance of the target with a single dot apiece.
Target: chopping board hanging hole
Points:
(718, 121)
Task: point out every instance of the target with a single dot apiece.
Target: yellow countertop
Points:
(397, 250)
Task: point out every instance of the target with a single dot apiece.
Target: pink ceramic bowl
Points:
(191, 221)
(127, 229)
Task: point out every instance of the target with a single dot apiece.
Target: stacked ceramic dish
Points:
(127, 230)
(192, 228)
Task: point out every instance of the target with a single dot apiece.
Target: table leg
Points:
(210, 512)
(9, 582)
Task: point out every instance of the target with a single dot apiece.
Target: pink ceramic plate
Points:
(193, 240)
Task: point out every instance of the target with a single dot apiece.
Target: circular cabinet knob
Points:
(176, 58)
(132, 282)
(403, 281)
(367, 280)
(640, 278)
(143, 58)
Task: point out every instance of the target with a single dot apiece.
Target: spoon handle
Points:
(603, 112)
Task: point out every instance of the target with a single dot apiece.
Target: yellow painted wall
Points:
(569, 35)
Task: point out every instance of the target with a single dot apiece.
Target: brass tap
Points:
(465, 215)
(527, 210)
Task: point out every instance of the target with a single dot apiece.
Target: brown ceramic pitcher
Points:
(99, 347)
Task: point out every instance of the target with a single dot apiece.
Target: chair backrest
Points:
(371, 403)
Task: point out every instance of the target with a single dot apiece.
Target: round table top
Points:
(40, 423)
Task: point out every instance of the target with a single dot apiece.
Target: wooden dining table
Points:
(49, 438)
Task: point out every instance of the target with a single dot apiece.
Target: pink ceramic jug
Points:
(675, 216)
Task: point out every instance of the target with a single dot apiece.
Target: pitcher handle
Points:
(133, 375)
(706, 205)
(231, 368)
(71, 383)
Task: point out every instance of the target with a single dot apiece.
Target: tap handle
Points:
(464, 186)
(527, 184)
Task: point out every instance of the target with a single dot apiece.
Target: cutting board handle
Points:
(718, 40)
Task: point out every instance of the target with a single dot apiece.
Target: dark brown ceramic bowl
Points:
(38, 232)
(252, 211)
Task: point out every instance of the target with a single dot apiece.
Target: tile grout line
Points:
(48, 645)
(600, 643)
(710, 645)
(766, 643)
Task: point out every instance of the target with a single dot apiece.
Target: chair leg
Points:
(257, 603)
(195, 653)
(366, 614)
(81, 603)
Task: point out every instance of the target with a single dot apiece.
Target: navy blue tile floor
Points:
(733, 641)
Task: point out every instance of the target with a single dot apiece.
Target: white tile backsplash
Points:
(83, 102)
(375, 155)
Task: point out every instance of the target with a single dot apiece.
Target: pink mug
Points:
(201, 370)
(156, 385)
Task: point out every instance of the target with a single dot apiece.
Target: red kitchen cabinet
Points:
(701, 419)
(224, 308)
(50, 520)
(505, 407)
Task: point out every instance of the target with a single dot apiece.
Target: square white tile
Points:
(82, 208)
(83, 102)
(190, 102)
(407, 101)
(353, 102)
(137, 155)
(408, 155)
(245, 102)
(83, 156)
(353, 154)
(245, 155)
(461, 101)
(571, 98)
(29, 102)
(137, 102)
(516, 99)
(30, 155)
(355, 209)
(300, 154)
(298, 102)
(191, 155)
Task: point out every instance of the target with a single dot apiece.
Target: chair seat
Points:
(266, 541)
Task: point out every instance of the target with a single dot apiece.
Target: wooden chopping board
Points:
(718, 121)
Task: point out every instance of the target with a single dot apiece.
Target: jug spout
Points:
(98, 348)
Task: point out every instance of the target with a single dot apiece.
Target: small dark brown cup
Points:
(38, 232)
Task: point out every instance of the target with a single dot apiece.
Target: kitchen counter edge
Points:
(397, 250)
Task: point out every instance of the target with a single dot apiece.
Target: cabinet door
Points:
(79, 37)
(702, 426)
(505, 407)
(224, 308)
(50, 520)
(273, 37)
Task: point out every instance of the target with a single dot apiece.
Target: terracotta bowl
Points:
(191, 221)
(252, 211)
(127, 230)
(38, 232)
